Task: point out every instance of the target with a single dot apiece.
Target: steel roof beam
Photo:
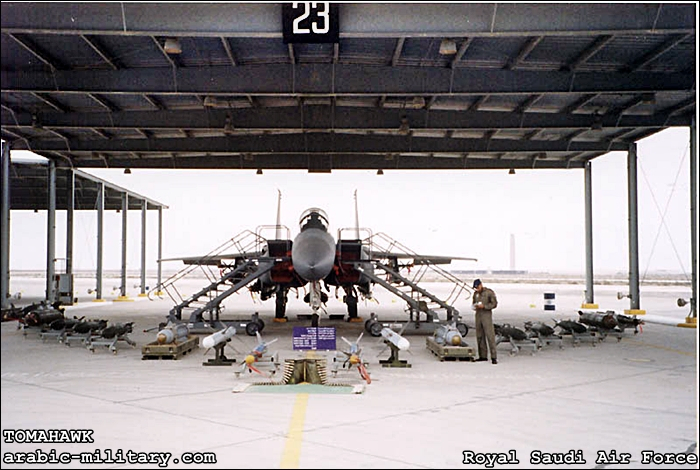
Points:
(229, 52)
(339, 80)
(359, 20)
(336, 161)
(36, 52)
(599, 43)
(101, 133)
(654, 54)
(460, 53)
(154, 102)
(580, 103)
(174, 63)
(100, 51)
(318, 143)
(51, 102)
(103, 102)
(317, 117)
(525, 105)
(397, 51)
(525, 51)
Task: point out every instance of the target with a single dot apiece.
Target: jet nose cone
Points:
(313, 254)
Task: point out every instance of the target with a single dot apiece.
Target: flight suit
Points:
(484, 322)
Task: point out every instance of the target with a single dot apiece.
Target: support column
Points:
(589, 237)
(100, 226)
(70, 213)
(143, 248)
(5, 227)
(51, 235)
(633, 235)
(159, 289)
(693, 220)
(125, 212)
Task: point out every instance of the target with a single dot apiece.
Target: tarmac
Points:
(631, 403)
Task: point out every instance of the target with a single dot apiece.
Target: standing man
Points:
(483, 301)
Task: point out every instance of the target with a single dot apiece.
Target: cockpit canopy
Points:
(313, 218)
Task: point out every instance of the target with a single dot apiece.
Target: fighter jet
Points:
(314, 258)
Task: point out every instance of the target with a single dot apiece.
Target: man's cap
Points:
(477, 283)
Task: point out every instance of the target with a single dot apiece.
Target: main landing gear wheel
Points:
(254, 326)
(375, 329)
(463, 329)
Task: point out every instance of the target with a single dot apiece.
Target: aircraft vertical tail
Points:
(278, 226)
(357, 219)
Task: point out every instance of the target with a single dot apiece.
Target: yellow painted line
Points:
(292, 448)
(664, 348)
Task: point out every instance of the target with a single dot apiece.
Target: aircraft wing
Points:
(419, 259)
(216, 260)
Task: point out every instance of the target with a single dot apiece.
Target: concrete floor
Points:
(639, 394)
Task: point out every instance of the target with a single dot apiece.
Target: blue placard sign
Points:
(321, 338)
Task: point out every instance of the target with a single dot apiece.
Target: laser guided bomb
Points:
(448, 335)
(117, 330)
(507, 331)
(627, 321)
(605, 320)
(538, 328)
(570, 327)
(173, 334)
(219, 337)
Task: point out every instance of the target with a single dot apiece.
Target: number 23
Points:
(321, 13)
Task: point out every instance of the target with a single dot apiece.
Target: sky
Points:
(468, 213)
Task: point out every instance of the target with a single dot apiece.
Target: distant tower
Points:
(512, 252)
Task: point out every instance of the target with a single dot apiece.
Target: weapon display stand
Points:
(110, 343)
(220, 358)
(450, 353)
(394, 360)
(533, 344)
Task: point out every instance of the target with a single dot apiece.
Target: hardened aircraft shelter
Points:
(325, 87)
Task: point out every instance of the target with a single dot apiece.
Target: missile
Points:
(395, 339)
(173, 333)
(605, 320)
(218, 337)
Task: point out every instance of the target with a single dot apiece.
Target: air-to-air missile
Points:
(256, 354)
(606, 321)
(354, 358)
(218, 337)
(173, 333)
(541, 330)
(396, 339)
(569, 326)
